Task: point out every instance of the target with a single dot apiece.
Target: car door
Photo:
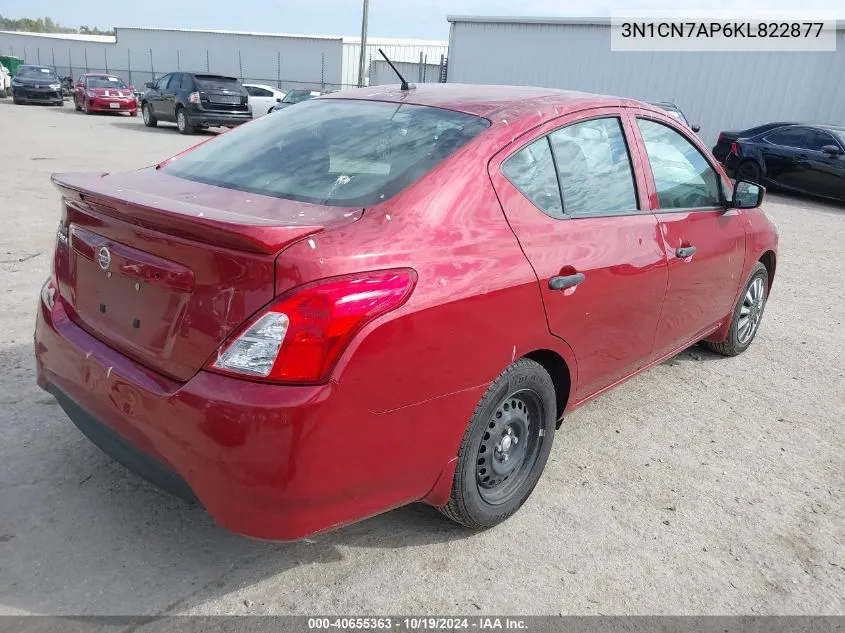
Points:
(817, 172)
(703, 240)
(168, 95)
(570, 195)
(155, 95)
(780, 151)
(261, 100)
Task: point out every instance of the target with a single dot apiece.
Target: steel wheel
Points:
(751, 311)
(508, 448)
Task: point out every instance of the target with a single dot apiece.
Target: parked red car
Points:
(382, 296)
(96, 92)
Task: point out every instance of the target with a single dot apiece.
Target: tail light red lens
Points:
(720, 139)
(300, 336)
(734, 149)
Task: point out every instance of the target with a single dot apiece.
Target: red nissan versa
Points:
(385, 296)
(95, 92)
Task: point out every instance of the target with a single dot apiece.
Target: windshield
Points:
(105, 82)
(215, 82)
(331, 151)
(296, 96)
(36, 71)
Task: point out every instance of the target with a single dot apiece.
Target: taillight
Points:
(300, 336)
(734, 149)
(720, 139)
(194, 97)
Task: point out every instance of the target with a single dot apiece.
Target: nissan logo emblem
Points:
(104, 258)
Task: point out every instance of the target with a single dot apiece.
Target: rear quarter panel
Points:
(476, 306)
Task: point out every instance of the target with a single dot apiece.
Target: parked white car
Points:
(262, 98)
(6, 82)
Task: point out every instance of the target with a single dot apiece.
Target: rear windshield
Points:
(36, 71)
(333, 152)
(214, 82)
(105, 82)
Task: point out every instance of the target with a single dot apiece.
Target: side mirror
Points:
(278, 99)
(831, 150)
(696, 128)
(149, 84)
(747, 195)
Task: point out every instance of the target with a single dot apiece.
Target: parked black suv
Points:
(195, 100)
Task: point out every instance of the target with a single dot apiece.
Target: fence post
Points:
(178, 60)
(444, 69)
(323, 71)
(53, 53)
(106, 59)
(420, 69)
(279, 70)
(70, 62)
(240, 66)
(86, 58)
(152, 70)
(38, 51)
(207, 63)
(129, 65)
(425, 67)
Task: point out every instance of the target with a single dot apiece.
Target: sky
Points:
(425, 19)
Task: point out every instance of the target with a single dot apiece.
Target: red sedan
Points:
(97, 92)
(382, 296)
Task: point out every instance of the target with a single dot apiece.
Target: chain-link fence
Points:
(137, 69)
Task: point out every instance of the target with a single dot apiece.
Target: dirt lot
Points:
(707, 485)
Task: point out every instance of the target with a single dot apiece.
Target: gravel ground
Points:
(706, 485)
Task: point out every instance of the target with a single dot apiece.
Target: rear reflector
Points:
(300, 336)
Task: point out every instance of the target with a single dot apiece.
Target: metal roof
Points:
(82, 37)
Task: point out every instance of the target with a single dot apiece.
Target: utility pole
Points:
(363, 55)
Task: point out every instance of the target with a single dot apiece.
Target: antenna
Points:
(405, 85)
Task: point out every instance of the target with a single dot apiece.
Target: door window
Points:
(532, 171)
(161, 84)
(255, 91)
(596, 177)
(789, 137)
(816, 139)
(682, 176)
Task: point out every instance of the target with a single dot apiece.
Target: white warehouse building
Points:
(716, 90)
(283, 60)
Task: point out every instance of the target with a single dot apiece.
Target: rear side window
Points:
(532, 171)
(816, 139)
(683, 177)
(595, 171)
(791, 137)
(255, 91)
(215, 82)
(334, 152)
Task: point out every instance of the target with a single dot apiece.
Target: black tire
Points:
(738, 340)
(16, 101)
(60, 103)
(477, 501)
(149, 117)
(749, 170)
(87, 108)
(76, 105)
(3, 93)
(183, 121)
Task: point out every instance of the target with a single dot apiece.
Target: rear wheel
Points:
(749, 170)
(87, 107)
(505, 447)
(76, 104)
(183, 122)
(149, 119)
(2, 93)
(747, 314)
(133, 113)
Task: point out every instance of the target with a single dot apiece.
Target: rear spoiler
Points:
(177, 217)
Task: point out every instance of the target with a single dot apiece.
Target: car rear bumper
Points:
(112, 105)
(267, 461)
(209, 118)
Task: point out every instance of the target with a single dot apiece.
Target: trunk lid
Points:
(165, 277)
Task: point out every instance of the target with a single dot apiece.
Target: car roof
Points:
(493, 102)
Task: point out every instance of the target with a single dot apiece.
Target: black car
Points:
(295, 96)
(722, 148)
(675, 112)
(38, 84)
(196, 100)
(803, 158)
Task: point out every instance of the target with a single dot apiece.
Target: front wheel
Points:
(149, 118)
(747, 314)
(505, 447)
